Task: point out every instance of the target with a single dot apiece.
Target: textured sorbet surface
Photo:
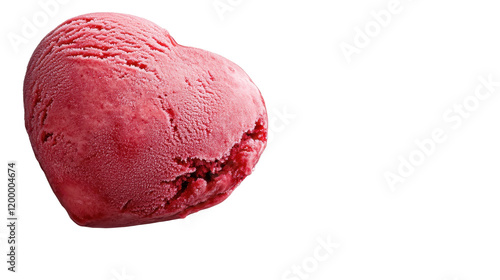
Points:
(132, 128)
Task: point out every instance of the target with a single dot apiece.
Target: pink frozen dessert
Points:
(132, 128)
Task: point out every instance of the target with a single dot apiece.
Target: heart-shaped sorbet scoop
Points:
(132, 128)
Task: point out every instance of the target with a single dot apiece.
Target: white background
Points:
(337, 127)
